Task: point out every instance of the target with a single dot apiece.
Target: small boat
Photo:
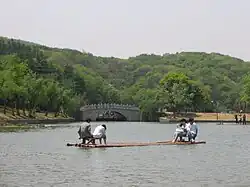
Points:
(133, 144)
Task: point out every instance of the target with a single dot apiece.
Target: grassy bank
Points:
(221, 116)
(205, 116)
(8, 118)
(15, 128)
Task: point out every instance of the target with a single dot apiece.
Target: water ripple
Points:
(41, 158)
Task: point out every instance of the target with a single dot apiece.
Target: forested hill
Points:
(36, 77)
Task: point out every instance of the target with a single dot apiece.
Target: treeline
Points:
(22, 89)
(69, 78)
(29, 81)
(220, 77)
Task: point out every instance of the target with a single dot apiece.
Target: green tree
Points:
(245, 91)
(178, 92)
(175, 91)
(148, 103)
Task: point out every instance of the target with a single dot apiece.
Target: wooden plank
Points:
(133, 144)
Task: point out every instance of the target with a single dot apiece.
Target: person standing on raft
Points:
(180, 131)
(85, 131)
(99, 133)
(192, 130)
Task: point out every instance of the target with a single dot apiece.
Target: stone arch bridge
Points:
(93, 111)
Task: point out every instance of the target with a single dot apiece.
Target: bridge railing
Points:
(109, 106)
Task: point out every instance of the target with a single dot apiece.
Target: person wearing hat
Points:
(85, 131)
(100, 133)
(180, 131)
(192, 130)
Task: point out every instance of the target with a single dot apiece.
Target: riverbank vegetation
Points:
(15, 128)
(8, 116)
(211, 116)
(36, 78)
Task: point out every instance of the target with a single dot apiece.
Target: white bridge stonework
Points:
(131, 112)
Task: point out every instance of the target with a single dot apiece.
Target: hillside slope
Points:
(220, 72)
(107, 79)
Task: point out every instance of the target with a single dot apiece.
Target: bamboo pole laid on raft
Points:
(133, 144)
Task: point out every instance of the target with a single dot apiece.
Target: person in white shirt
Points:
(180, 131)
(192, 130)
(100, 133)
(85, 131)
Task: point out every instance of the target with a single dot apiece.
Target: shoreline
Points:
(201, 121)
(40, 118)
(40, 121)
(17, 125)
(203, 117)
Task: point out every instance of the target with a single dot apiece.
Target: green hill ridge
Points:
(61, 80)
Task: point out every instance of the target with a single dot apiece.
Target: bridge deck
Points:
(133, 144)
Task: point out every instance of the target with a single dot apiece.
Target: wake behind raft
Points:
(133, 144)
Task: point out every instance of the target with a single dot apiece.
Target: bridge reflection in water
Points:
(110, 112)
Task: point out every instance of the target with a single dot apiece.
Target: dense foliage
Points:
(36, 77)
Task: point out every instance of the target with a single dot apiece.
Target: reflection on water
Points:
(41, 158)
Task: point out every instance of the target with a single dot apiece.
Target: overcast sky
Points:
(124, 28)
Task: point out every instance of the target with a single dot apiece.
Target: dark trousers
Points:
(100, 139)
(86, 139)
(191, 136)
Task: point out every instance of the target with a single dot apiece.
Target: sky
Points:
(124, 28)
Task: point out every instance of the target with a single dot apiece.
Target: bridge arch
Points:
(129, 112)
(111, 116)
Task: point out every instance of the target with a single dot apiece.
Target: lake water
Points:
(41, 158)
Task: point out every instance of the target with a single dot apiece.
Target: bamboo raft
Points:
(132, 144)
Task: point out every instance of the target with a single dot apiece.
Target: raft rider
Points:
(180, 131)
(85, 131)
(99, 133)
(192, 130)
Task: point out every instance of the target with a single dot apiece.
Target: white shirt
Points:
(99, 131)
(179, 129)
(188, 126)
